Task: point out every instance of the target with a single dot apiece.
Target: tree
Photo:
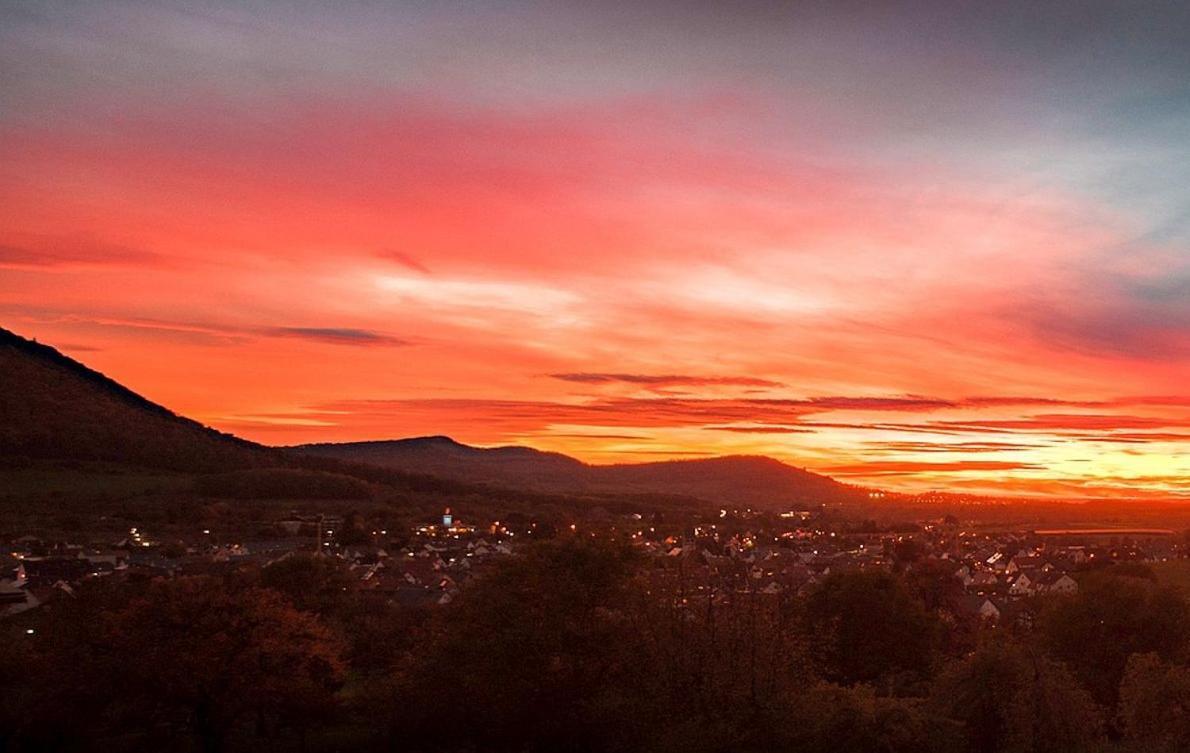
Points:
(281, 483)
(1133, 570)
(314, 584)
(1014, 699)
(934, 583)
(532, 657)
(868, 626)
(58, 681)
(856, 720)
(193, 652)
(907, 551)
(17, 668)
(1154, 712)
(1110, 619)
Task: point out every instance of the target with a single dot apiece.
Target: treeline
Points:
(281, 483)
(582, 646)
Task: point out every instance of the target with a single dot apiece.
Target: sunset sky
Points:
(942, 245)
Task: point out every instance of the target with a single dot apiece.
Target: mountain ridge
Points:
(53, 407)
(756, 480)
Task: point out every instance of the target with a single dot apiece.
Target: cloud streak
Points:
(227, 334)
(336, 336)
(666, 380)
(878, 468)
(405, 260)
(55, 253)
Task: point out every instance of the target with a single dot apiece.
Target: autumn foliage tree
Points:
(196, 654)
(1015, 699)
(1111, 618)
(150, 664)
(1154, 711)
(867, 626)
(532, 658)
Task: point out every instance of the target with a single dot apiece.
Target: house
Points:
(1055, 582)
(364, 555)
(964, 575)
(1076, 555)
(14, 599)
(108, 560)
(1024, 585)
(47, 571)
(1021, 563)
(983, 579)
(982, 607)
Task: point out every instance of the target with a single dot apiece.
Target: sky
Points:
(911, 245)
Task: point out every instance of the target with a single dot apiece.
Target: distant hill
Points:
(53, 407)
(761, 482)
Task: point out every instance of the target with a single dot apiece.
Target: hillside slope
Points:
(746, 480)
(442, 456)
(53, 407)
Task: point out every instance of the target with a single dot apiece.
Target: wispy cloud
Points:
(666, 380)
(336, 335)
(951, 447)
(760, 429)
(406, 260)
(909, 467)
(213, 333)
(1051, 422)
(62, 252)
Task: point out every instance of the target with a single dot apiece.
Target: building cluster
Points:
(992, 575)
(428, 570)
(1000, 571)
(425, 571)
(716, 558)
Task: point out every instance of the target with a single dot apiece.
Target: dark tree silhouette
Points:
(1014, 699)
(192, 653)
(867, 626)
(1110, 619)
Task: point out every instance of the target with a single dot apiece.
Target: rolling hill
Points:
(760, 482)
(55, 408)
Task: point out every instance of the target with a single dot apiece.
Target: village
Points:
(990, 576)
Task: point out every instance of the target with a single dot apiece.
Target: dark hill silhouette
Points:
(442, 456)
(53, 407)
(746, 480)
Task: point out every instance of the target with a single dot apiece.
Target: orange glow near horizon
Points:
(620, 268)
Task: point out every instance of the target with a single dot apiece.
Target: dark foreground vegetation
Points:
(584, 646)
